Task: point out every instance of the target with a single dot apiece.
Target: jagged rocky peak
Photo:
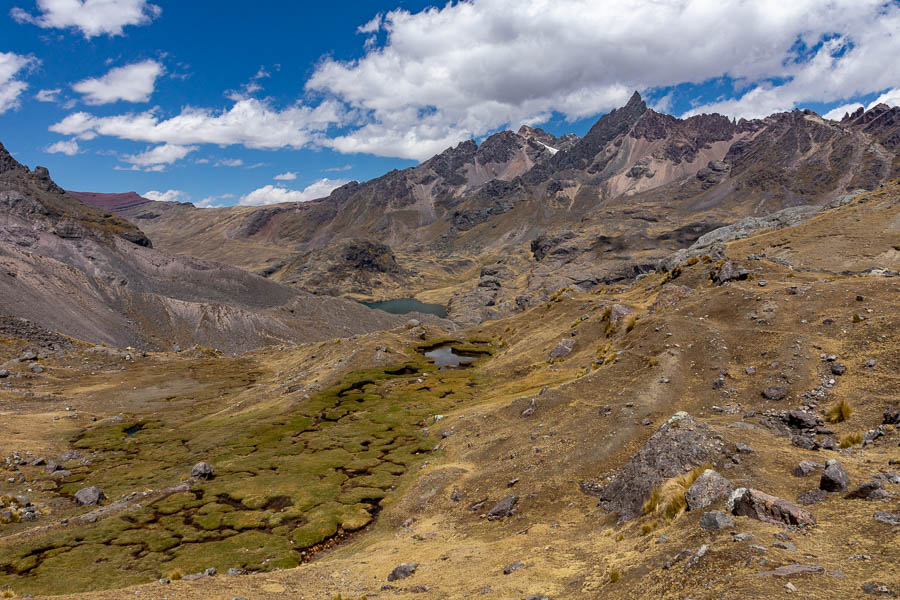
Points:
(8, 163)
(537, 134)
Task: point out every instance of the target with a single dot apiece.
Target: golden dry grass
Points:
(667, 499)
(839, 412)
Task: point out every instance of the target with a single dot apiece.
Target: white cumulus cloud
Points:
(67, 147)
(131, 83)
(11, 86)
(91, 17)
(250, 122)
(837, 113)
(286, 176)
(890, 97)
(270, 194)
(428, 80)
(167, 196)
(158, 156)
(230, 162)
(48, 95)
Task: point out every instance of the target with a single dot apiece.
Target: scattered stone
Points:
(513, 567)
(37, 369)
(743, 537)
(4, 373)
(26, 356)
(891, 417)
(838, 368)
(871, 490)
(876, 588)
(785, 546)
(716, 519)
(706, 489)
(774, 392)
(790, 587)
(617, 313)
(811, 497)
(164, 580)
(888, 518)
(646, 421)
(801, 419)
(202, 470)
(90, 496)
(869, 364)
(729, 272)
(563, 349)
(529, 410)
(502, 509)
(701, 551)
(765, 507)
(807, 442)
(402, 571)
(743, 448)
(235, 571)
(805, 467)
(538, 597)
(788, 570)
(834, 478)
(677, 558)
(210, 572)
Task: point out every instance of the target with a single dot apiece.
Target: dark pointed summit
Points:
(636, 102)
(8, 163)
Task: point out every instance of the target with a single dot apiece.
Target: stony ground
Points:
(339, 442)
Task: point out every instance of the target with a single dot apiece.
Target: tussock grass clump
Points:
(630, 320)
(7, 593)
(692, 261)
(839, 412)
(175, 575)
(668, 499)
(851, 439)
(614, 576)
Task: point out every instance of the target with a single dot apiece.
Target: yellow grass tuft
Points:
(839, 412)
(851, 439)
(667, 499)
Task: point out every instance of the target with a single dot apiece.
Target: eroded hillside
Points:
(526, 475)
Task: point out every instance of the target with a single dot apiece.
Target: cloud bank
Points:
(91, 17)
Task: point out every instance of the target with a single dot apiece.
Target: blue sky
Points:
(212, 102)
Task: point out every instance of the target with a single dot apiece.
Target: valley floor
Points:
(365, 454)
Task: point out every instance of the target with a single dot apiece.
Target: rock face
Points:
(834, 478)
(680, 445)
(707, 489)
(871, 490)
(202, 470)
(716, 519)
(562, 349)
(729, 272)
(402, 571)
(765, 507)
(368, 255)
(503, 509)
(91, 496)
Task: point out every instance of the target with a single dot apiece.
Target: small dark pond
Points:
(446, 356)
(408, 305)
(129, 431)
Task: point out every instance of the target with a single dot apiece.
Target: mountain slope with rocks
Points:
(611, 205)
(727, 428)
(70, 267)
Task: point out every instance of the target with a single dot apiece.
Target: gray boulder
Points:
(716, 519)
(502, 509)
(202, 470)
(707, 489)
(774, 392)
(678, 446)
(805, 467)
(91, 496)
(834, 478)
(402, 571)
(871, 490)
(563, 349)
(765, 507)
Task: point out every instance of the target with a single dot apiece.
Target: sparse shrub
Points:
(7, 593)
(851, 439)
(856, 318)
(667, 499)
(692, 261)
(649, 526)
(629, 323)
(614, 576)
(839, 412)
(175, 575)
